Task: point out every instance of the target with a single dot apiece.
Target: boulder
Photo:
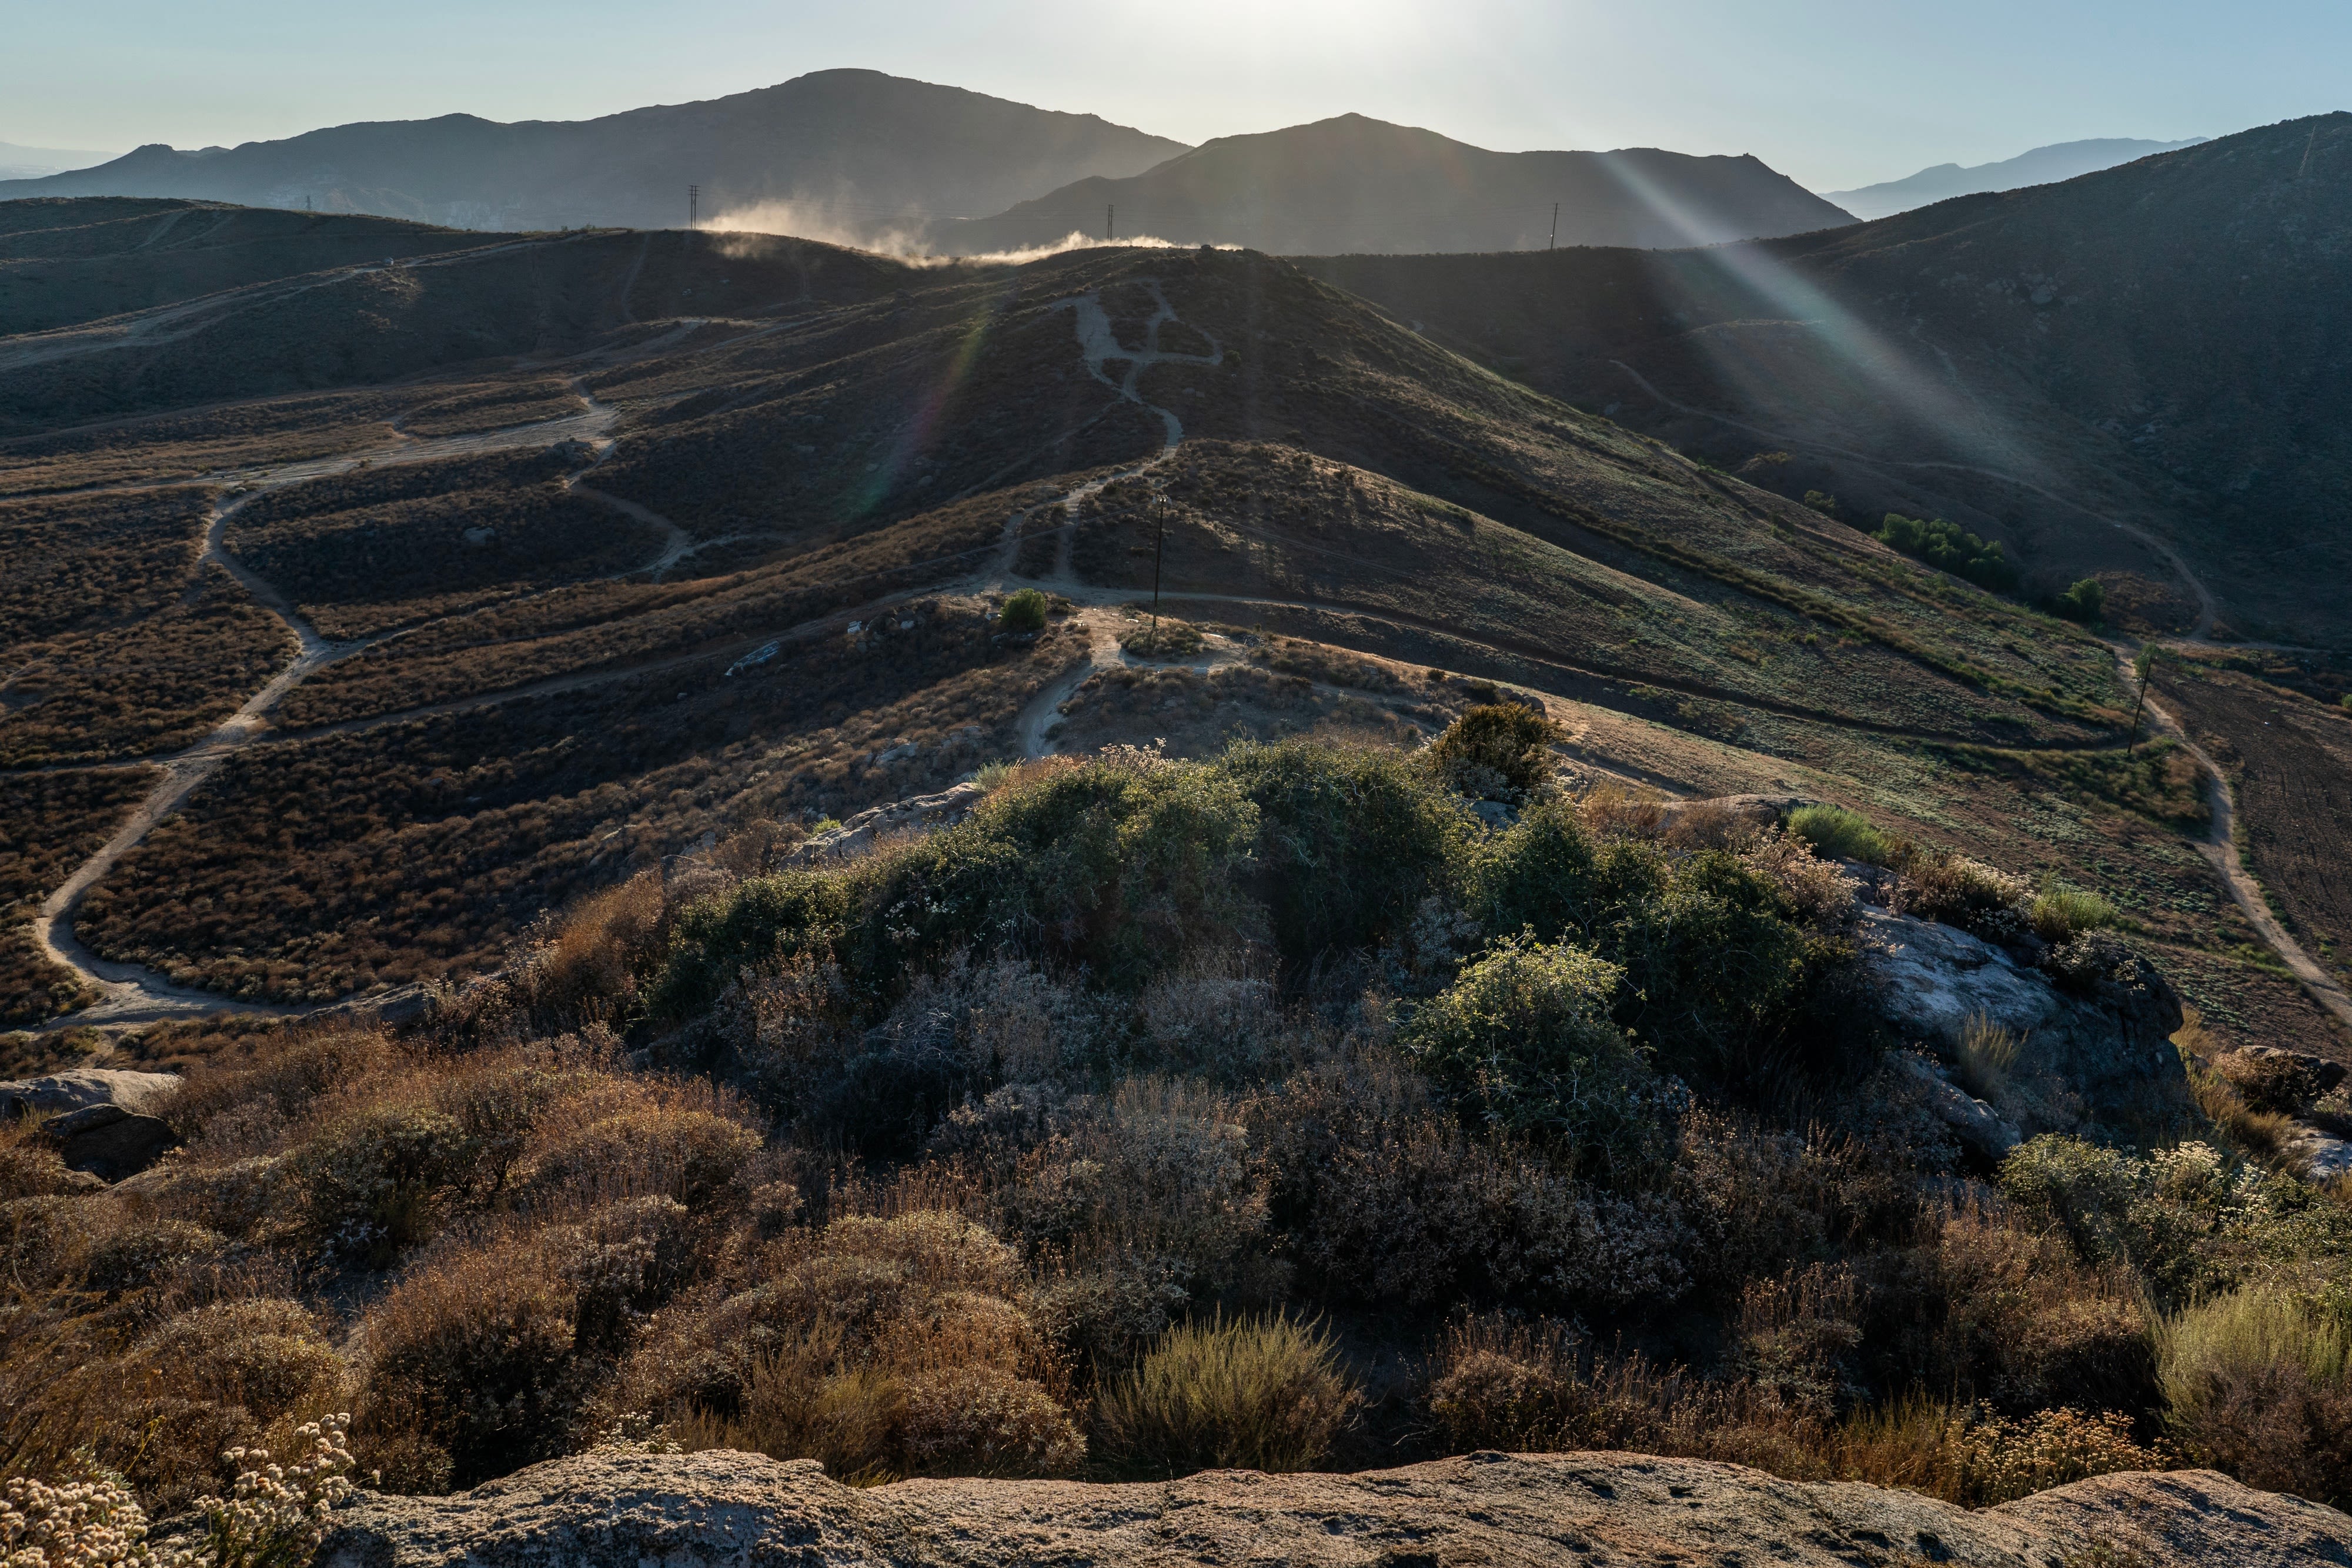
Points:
(2315, 1153)
(63, 1091)
(621, 1508)
(2095, 1052)
(109, 1142)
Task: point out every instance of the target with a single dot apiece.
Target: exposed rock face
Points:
(84, 1086)
(621, 1508)
(2095, 1049)
(943, 809)
(1976, 1124)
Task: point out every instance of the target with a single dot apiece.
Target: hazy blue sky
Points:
(1834, 92)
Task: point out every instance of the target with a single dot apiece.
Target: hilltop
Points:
(1352, 183)
(847, 153)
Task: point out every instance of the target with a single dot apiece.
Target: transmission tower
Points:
(693, 204)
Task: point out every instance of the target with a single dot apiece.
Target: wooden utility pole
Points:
(2144, 668)
(1555, 227)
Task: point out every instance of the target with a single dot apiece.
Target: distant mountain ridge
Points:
(32, 163)
(1356, 184)
(852, 151)
(2040, 166)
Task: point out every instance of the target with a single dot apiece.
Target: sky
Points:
(1835, 93)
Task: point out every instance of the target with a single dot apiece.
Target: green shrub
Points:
(1025, 611)
(1948, 548)
(2085, 600)
(1841, 835)
(1497, 750)
(766, 919)
(1713, 969)
(1261, 1394)
(1524, 1038)
(1125, 866)
(1544, 874)
(1350, 842)
(2059, 915)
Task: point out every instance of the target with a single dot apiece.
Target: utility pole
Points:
(693, 204)
(1110, 221)
(2145, 668)
(1555, 227)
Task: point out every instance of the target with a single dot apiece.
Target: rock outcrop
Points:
(945, 809)
(619, 1507)
(2093, 1023)
(62, 1093)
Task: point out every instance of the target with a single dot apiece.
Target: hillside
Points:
(1084, 871)
(2039, 166)
(850, 152)
(2139, 344)
(520, 508)
(1358, 184)
(65, 261)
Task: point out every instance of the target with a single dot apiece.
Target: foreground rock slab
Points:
(621, 1508)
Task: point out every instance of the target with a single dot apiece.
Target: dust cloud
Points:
(900, 238)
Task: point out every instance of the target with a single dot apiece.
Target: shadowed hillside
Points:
(65, 261)
(1359, 185)
(2148, 344)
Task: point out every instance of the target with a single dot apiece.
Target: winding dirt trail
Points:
(131, 994)
(2220, 848)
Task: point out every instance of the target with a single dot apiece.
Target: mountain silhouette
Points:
(1356, 184)
(2042, 166)
(854, 152)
